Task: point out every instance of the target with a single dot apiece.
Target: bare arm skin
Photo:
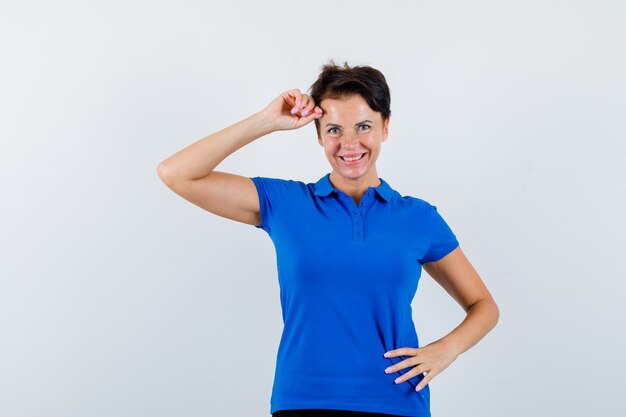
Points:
(457, 276)
(191, 173)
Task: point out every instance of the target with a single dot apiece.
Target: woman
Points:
(350, 250)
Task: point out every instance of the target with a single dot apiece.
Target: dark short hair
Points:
(336, 82)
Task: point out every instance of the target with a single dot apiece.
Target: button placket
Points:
(358, 211)
(358, 225)
(359, 219)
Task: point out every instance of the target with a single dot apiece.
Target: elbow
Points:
(496, 313)
(489, 307)
(495, 310)
(164, 172)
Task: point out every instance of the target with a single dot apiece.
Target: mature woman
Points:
(350, 251)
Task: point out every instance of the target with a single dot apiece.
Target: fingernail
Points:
(386, 355)
(305, 112)
(388, 370)
(294, 110)
(318, 116)
(398, 379)
(418, 388)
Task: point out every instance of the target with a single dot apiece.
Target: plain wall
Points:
(119, 298)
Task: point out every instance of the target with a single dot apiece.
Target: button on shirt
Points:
(347, 276)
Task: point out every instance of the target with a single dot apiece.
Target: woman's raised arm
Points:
(191, 173)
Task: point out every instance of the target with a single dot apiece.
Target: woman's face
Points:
(349, 127)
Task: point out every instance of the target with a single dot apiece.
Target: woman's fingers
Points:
(292, 98)
(297, 100)
(307, 105)
(304, 101)
(422, 369)
(307, 119)
(429, 375)
(411, 361)
(300, 102)
(428, 360)
(416, 370)
(401, 352)
(292, 109)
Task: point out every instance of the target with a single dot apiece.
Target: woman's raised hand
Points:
(291, 110)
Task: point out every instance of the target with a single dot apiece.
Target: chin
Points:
(352, 173)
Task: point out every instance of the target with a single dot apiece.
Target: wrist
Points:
(453, 344)
(263, 124)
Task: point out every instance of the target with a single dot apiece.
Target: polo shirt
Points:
(347, 276)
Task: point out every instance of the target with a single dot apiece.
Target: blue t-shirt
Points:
(347, 276)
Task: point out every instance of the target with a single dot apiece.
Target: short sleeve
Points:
(271, 192)
(442, 239)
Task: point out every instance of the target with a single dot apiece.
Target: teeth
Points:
(353, 159)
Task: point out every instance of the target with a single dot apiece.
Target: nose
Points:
(351, 140)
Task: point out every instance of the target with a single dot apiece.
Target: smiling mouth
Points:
(355, 159)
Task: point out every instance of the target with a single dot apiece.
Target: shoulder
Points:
(412, 202)
(418, 208)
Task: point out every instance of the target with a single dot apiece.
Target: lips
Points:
(352, 155)
(362, 157)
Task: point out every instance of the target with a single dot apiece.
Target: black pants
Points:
(318, 412)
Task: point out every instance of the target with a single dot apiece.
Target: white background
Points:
(119, 298)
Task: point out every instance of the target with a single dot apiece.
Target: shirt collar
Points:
(323, 187)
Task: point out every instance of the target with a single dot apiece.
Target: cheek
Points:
(331, 146)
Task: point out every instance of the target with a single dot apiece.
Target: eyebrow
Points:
(356, 124)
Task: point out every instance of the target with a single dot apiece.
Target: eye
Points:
(367, 126)
(331, 129)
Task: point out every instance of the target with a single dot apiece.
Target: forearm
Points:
(200, 158)
(480, 319)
